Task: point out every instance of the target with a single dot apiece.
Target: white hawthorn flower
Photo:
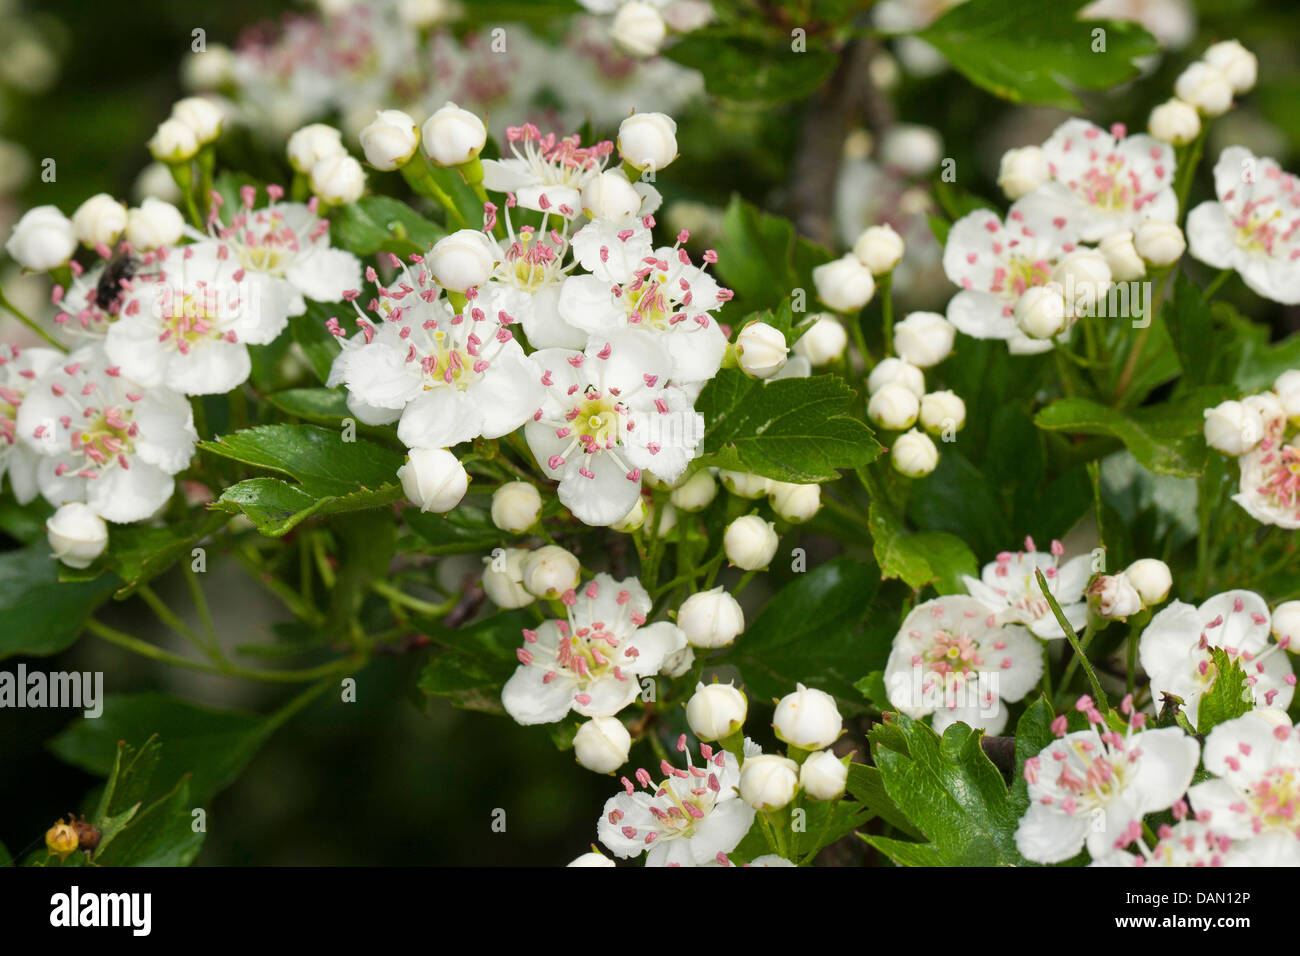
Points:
(1186, 843)
(1175, 650)
(525, 284)
(1114, 597)
(1252, 797)
(662, 293)
(444, 377)
(1009, 588)
(1094, 786)
(592, 662)
(1233, 427)
(103, 439)
(995, 263)
(1252, 227)
(20, 369)
(690, 818)
(952, 659)
(77, 535)
(807, 718)
(545, 172)
(608, 414)
(1269, 489)
(43, 239)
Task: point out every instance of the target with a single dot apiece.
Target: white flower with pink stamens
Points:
(445, 377)
(663, 292)
(19, 371)
(546, 173)
(103, 439)
(592, 662)
(1269, 487)
(952, 659)
(1106, 182)
(1094, 786)
(692, 817)
(1254, 228)
(1009, 588)
(86, 311)
(1175, 650)
(995, 262)
(1255, 794)
(610, 414)
(188, 325)
(288, 243)
(1186, 843)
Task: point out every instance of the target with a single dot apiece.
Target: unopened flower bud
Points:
(76, 534)
(1174, 122)
(62, 840)
(516, 506)
(648, 140)
(173, 142)
(716, 711)
(1238, 65)
(823, 776)
(1113, 597)
(550, 571)
(1272, 413)
(768, 781)
(639, 29)
(824, 342)
(696, 493)
(1040, 311)
(1286, 624)
(633, 520)
(761, 350)
(795, 503)
(879, 248)
(942, 412)
(893, 407)
(503, 578)
(1083, 277)
(453, 136)
(711, 618)
(750, 542)
(1021, 171)
(309, 145)
(894, 370)
(43, 239)
(1121, 256)
(1151, 579)
(924, 339)
(153, 225)
(845, 284)
(1205, 87)
(610, 195)
(1233, 427)
(338, 180)
(1159, 243)
(390, 140)
(433, 479)
(592, 859)
(463, 260)
(742, 484)
(914, 454)
(1287, 389)
(201, 115)
(602, 744)
(807, 719)
(99, 221)
(910, 148)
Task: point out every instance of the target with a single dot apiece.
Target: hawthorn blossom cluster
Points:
(1262, 431)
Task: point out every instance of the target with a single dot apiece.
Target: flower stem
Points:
(29, 322)
(887, 310)
(1216, 284)
(1102, 703)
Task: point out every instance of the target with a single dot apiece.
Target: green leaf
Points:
(24, 523)
(1034, 51)
(42, 615)
(1229, 697)
(476, 661)
(739, 66)
(868, 788)
(761, 257)
(139, 553)
(811, 633)
(325, 406)
(1033, 733)
(277, 507)
(383, 224)
(950, 791)
(468, 529)
(928, 557)
(906, 854)
(1191, 327)
(161, 835)
(1164, 438)
(793, 429)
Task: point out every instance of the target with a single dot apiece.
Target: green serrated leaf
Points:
(740, 66)
(40, 614)
(383, 224)
(1229, 696)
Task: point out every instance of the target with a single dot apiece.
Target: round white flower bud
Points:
(1205, 87)
(610, 195)
(1022, 171)
(750, 542)
(76, 534)
(1233, 427)
(1151, 579)
(1040, 311)
(1286, 624)
(879, 248)
(696, 493)
(1287, 389)
(633, 520)
(43, 239)
(1159, 243)
(1121, 256)
(924, 339)
(795, 503)
(914, 454)
(602, 744)
(761, 350)
(639, 29)
(173, 142)
(338, 180)
(1237, 64)
(1174, 122)
(550, 571)
(894, 370)
(716, 711)
(768, 781)
(913, 149)
(154, 224)
(201, 115)
(309, 145)
(155, 181)
(845, 284)
(390, 140)
(99, 220)
(516, 506)
(503, 578)
(824, 342)
(463, 260)
(648, 140)
(662, 526)
(208, 69)
(1272, 413)
(807, 719)
(942, 411)
(742, 484)
(433, 479)
(1113, 597)
(1083, 277)
(823, 776)
(711, 618)
(893, 407)
(592, 859)
(453, 136)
